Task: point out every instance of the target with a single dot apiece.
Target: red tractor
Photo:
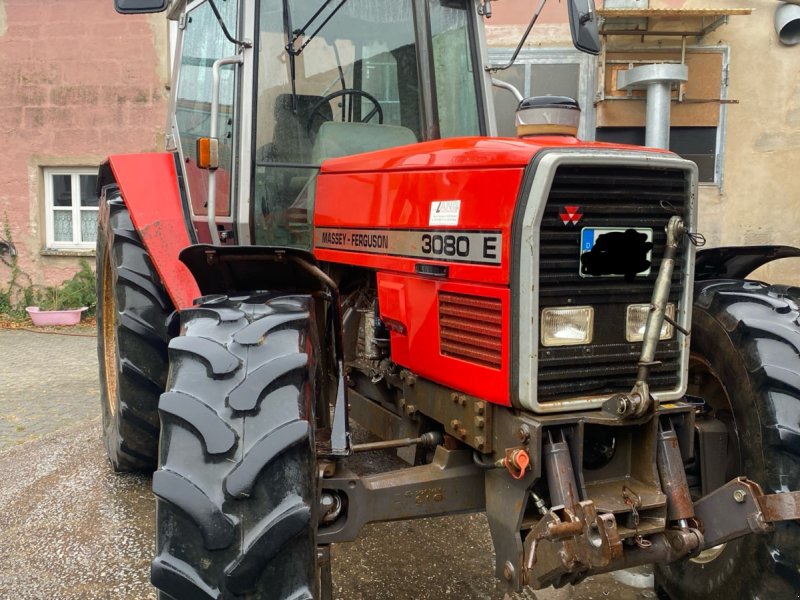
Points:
(334, 234)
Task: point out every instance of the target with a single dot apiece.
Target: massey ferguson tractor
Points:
(334, 234)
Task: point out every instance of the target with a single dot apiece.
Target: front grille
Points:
(470, 328)
(618, 197)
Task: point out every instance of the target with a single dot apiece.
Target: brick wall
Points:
(77, 82)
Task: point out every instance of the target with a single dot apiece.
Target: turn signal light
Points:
(207, 153)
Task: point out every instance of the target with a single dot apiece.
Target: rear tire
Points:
(746, 354)
(133, 312)
(237, 492)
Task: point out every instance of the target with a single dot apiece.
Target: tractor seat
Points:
(291, 142)
(335, 139)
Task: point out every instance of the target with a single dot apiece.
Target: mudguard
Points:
(149, 186)
(737, 262)
(231, 270)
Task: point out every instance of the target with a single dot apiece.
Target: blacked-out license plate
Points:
(616, 251)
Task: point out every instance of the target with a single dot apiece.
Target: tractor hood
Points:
(378, 209)
(459, 153)
(443, 225)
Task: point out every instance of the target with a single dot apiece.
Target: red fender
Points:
(149, 186)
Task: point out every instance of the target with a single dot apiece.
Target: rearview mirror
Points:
(132, 7)
(583, 26)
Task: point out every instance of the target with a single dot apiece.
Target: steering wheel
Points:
(316, 111)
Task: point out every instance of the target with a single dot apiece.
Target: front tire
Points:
(237, 480)
(746, 365)
(133, 312)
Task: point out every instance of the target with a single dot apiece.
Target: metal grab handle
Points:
(507, 86)
(212, 173)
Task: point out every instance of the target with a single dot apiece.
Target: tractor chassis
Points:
(653, 521)
(634, 510)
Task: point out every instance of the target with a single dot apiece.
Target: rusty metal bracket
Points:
(570, 543)
(465, 417)
(731, 512)
(784, 506)
(566, 546)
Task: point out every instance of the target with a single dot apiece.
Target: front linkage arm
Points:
(568, 544)
(740, 507)
(638, 401)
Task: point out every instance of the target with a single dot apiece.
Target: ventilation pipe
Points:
(657, 80)
(787, 23)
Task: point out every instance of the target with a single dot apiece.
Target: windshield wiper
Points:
(293, 35)
(298, 33)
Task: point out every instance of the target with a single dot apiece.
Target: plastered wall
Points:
(759, 202)
(77, 82)
(759, 199)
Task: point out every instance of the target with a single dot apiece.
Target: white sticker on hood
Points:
(445, 212)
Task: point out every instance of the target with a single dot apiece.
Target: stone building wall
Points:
(77, 82)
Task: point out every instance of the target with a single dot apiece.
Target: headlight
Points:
(567, 326)
(636, 321)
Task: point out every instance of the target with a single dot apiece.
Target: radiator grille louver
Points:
(471, 328)
(617, 197)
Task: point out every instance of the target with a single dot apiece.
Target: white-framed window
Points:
(71, 205)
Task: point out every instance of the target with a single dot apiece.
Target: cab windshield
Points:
(341, 77)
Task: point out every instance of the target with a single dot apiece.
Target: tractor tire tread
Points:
(761, 323)
(141, 327)
(236, 505)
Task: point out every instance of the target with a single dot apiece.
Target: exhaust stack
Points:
(657, 80)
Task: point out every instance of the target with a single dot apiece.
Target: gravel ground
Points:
(71, 529)
(47, 381)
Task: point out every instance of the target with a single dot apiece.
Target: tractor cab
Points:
(289, 84)
(279, 86)
(336, 79)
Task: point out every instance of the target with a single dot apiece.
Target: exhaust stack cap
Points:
(787, 24)
(548, 115)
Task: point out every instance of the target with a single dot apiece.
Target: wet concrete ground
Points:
(71, 529)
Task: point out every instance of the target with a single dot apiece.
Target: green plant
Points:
(19, 291)
(77, 292)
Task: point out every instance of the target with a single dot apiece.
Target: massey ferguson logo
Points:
(570, 214)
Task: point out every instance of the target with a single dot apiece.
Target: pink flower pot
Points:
(42, 318)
